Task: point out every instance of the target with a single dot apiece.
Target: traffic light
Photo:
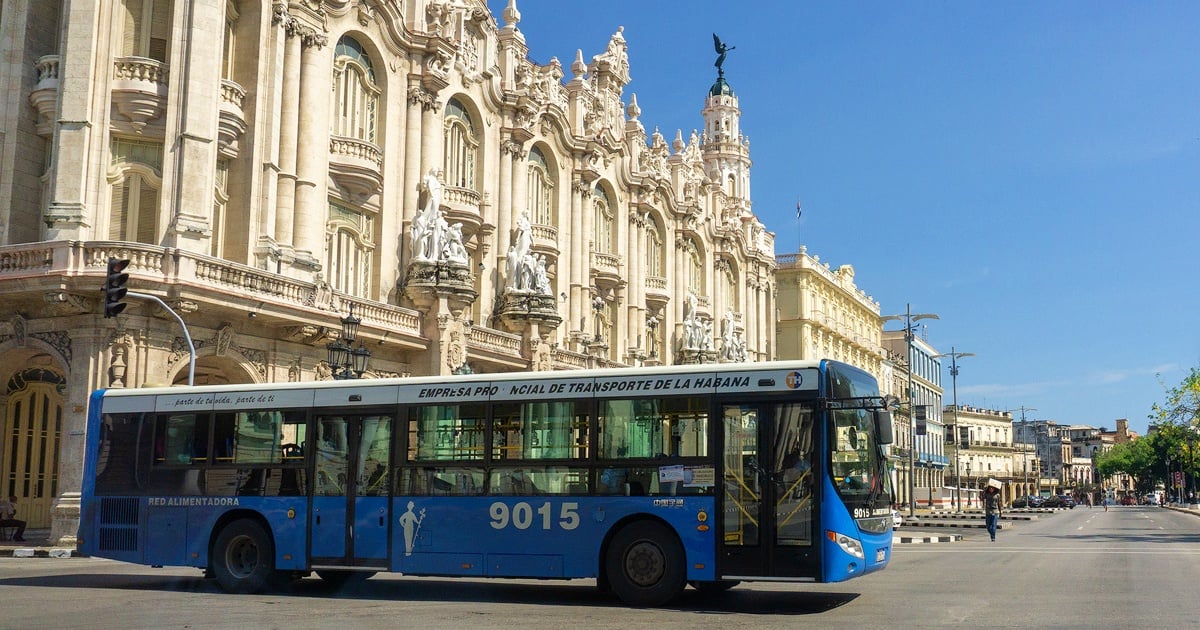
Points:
(114, 286)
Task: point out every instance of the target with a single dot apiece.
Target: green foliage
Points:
(1173, 444)
(1182, 406)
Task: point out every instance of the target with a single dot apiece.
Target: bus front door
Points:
(350, 510)
(769, 524)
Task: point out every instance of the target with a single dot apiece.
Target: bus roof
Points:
(498, 377)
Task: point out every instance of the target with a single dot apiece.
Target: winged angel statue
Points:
(721, 50)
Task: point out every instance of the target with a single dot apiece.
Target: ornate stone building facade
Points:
(824, 315)
(266, 165)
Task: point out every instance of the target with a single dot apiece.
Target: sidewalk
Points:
(36, 545)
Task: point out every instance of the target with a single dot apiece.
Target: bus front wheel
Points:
(243, 558)
(645, 564)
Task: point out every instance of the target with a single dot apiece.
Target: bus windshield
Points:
(857, 463)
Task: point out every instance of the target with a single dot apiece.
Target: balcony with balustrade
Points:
(139, 91)
(44, 96)
(356, 165)
(231, 119)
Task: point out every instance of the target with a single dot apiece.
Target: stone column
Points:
(77, 158)
(636, 276)
(289, 120)
(504, 214)
(412, 164)
(580, 302)
(431, 135)
(191, 177)
(312, 153)
(86, 373)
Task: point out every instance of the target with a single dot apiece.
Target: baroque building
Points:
(270, 166)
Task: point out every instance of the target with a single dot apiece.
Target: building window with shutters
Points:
(655, 250)
(146, 29)
(355, 91)
(540, 188)
(461, 147)
(135, 181)
(220, 203)
(350, 247)
(604, 220)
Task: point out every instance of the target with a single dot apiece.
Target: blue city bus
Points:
(646, 479)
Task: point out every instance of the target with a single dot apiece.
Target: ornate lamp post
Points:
(652, 341)
(346, 361)
(909, 317)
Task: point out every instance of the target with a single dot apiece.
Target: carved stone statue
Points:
(428, 226)
(692, 328)
(453, 249)
(520, 263)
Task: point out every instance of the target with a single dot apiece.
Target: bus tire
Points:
(645, 564)
(344, 579)
(243, 559)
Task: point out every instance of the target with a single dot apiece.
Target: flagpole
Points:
(799, 242)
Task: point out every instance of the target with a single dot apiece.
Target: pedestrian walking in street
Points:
(991, 507)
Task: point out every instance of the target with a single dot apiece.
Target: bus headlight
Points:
(848, 544)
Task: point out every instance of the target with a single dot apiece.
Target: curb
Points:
(959, 525)
(40, 552)
(911, 540)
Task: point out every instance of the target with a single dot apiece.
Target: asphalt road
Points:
(1131, 567)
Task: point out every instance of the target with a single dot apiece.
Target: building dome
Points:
(720, 88)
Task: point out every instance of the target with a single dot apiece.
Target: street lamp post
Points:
(1024, 442)
(909, 317)
(346, 361)
(954, 357)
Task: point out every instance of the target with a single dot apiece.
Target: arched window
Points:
(355, 91)
(146, 29)
(731, 288)
(655, 250)
(462, 147)
(350, 245)
(603, 222)
(135, 177)
(540, 186)
(731, 186)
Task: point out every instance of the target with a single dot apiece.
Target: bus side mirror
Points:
(883, 426)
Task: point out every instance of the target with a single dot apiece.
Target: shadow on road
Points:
(736, 601)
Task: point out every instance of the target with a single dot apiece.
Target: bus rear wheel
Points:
(243, 558)
(645, 564)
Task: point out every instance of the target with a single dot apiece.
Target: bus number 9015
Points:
(521, 515)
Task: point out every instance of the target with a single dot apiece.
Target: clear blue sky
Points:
(1029, 171)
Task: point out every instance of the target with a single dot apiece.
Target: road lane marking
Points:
(989, 549)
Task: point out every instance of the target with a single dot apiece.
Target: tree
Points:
(1177, 434)
(1182, 406)
(1135, 459)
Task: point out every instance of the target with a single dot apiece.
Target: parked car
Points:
(1054, 501)
(1032, 501)
(1029, 501)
